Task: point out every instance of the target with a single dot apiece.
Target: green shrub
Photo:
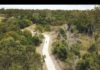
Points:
(36, 40)
(60, 51)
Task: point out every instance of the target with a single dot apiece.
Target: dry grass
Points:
(1, 18)
(86, 41)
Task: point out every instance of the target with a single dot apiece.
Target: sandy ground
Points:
(58, 64)
(48, 60)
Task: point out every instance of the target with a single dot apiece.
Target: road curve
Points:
(49, 63)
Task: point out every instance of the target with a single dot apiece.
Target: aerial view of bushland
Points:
(74, 39)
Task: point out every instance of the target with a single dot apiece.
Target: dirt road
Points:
(48, 60)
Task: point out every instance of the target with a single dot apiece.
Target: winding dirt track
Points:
(49, 62)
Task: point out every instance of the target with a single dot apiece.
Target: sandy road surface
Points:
(49, 63)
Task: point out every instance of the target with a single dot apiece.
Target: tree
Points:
(89, 62)
(36, 40)
(60, 51)
(24, 23)
(62, 33)
(16, 55)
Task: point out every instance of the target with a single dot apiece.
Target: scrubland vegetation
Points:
(18, 48)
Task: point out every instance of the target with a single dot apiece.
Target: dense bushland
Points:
(18, 49)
